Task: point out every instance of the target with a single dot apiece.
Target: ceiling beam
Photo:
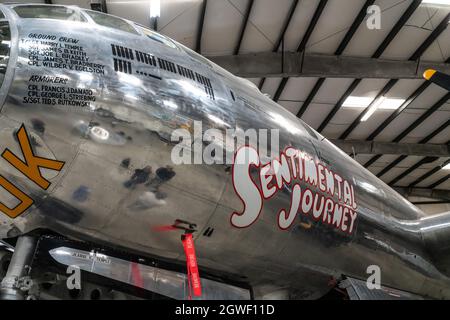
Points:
(244, 26)
(338, 105)
(301, 47)
(154, 23)
(347, 38)
(104, 6)
(391, 118)
(423, 161)
(391, 83)
(416, 166)
(439, 182)
(434, 202)
(398, 111)
(407, 149)
(381, 48)
(310, 97)
(201, 22)
(424, 193)
(280, 39)
(299, 64)
(414, 58)
(428, 174)
(414, 125)
(398, 26)
(96, 5)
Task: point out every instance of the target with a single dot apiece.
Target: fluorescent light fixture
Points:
(373, 108)
(391, 103)
(357, 102)
(155, 8)
(447, 167)
(438, 2)
(363, 102)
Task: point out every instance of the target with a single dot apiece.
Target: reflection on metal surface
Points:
(167, 283)
(357, 290)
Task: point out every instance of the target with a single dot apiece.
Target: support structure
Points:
(201, 22)
(300, 64)
(407, 149)
(244, 26)
(301, 47)
(443, 195)
(97, 5)
(13, 282)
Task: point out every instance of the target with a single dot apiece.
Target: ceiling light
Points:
(446, 167)
(391, 103)
(357, 102)
(438, 2)
(155, 8)
(364, 102)
(373, 108)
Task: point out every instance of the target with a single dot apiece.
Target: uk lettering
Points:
(30, 168)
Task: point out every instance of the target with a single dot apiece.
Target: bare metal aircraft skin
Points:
(87, 112)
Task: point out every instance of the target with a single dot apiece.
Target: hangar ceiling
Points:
(393, 123)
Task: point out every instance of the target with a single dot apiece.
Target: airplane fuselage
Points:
(101, 105)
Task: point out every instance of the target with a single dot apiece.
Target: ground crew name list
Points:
(59, 53)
